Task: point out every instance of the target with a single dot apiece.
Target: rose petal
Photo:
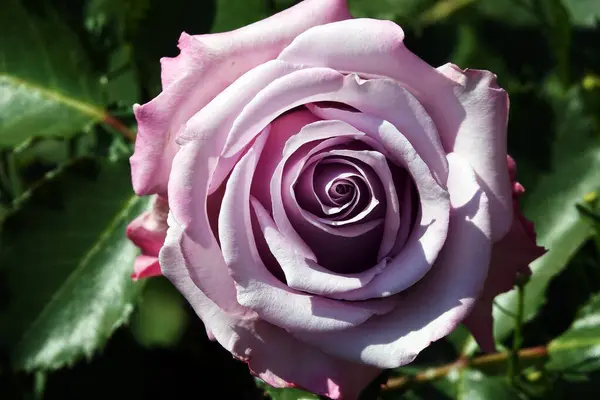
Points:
(481, 138)
(408, 209)
(356, 244)
(207, 65)
(351, 225)
(378, 162)
(206, 267)
(468, 108)
(148, 232)
(432, 308)
(253, 340)
(282, 129)
(383, 98)
(309, 133)
(149, 229)
(304, 274)
(145, 267)
(428, 234)
(299, 273)
(260, 291)
(198, 168)
(321, 200)
(510, 256)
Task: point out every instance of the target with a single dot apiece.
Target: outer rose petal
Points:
(468, 108)
(148, 232)
(145, 267)
(207, 65)
(266, 348)
(510, 256)
(481, 137)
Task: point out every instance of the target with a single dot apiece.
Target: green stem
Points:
(118, 126)
(39, 385)
(5, 185)
(482, 362)
(513, 365)
(13, 176)
(505, 311)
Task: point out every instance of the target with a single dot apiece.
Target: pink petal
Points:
(289, 133)
(432, 308)
(212, 124)
(260, 291)
(304, 274)
(408, 208)
(199, 168)
(481, 138)
(429, 233)
(378, 162)
(145, 267)
(206, 267)
(468, 108)
(353, 221)
(383, 98)
(148, 232)
(282, 129)
(510, 256)
(312, 132)
(355, 245)
(315, 191)
(266, 348)
(207, 65)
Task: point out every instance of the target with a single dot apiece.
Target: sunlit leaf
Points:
(66, 264)
(578, 349)
(47, 87)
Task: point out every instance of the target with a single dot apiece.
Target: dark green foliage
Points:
(70, 71)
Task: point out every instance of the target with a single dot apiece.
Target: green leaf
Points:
(47, 85)
(513, 12)
(443, 9)
(460, 384)
(66, 264)
(584, 12)
(124, 16)
(122, 81)
(576, 128)
(233, 14)
(285, 394)
(558, 34)
(388, 9)
(161, 317)
(474, 385)
(144, 31)
(578, 349)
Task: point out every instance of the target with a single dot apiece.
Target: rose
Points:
(336, 204)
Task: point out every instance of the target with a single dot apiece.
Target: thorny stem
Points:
(487, 360)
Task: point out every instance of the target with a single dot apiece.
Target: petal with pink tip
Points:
(206, 66)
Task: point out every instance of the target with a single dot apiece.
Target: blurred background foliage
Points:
(72, 323)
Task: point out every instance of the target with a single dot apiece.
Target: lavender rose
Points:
(335, 204)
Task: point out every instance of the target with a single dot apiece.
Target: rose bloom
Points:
(328, 203)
